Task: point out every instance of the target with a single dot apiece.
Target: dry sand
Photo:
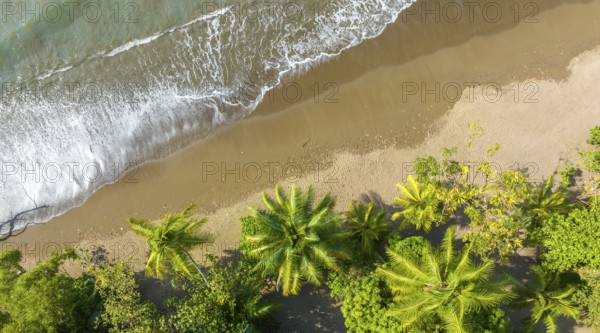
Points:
(538, 136)
(364, 143)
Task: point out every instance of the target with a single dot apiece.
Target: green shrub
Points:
(566, 175)
(589, 297)
(492, 321)
(123, 309)
(231, 304)
(410, 246)
(448, 152)
(426, 169)
(493, 149)
(591, 161)
(594, 136)
(366, 304)
(338, 282)
(43, 299)
(249, 228)
(364, 295)
(572, 241)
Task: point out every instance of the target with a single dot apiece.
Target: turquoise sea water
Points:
(90, 89)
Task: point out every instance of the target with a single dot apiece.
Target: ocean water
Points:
(93, 88)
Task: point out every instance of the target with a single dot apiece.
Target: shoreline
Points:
(336, 133)
(373, 175)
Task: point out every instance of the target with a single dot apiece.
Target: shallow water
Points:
(90, 89)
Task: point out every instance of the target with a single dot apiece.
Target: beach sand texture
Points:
(364, 142)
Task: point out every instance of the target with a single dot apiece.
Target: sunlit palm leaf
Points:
(170, 241)
(443, 285)
(298, 241)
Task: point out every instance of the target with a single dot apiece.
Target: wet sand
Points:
(370, 104)
(364, 110)
(357, 136)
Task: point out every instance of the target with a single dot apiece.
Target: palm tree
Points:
(541, 202)
(442, 286)
(368, 224)
(170, 242)
(249, 302)
(300, 239)
(549, 294)
(420, 205)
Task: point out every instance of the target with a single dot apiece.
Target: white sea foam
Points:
(56, 71)
(147, 40)
(57, 154)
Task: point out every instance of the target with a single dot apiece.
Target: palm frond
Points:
(407, 264)
(453, 321)
(448, 248)
(142, 227)
(170, 241)
(297, 239)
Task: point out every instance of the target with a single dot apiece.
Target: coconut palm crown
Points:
(550, 296)
(170, 241)
(420, 205)
(299, 239)
(368, 224)
(443, 286)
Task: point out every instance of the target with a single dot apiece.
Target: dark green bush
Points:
(44, 299)
(231, 304)
(589, 297)
(412, 246)
(572, 241)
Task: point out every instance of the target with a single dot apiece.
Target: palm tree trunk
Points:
(199, 270)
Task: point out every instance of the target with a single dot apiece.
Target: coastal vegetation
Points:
(442, 286)
(170, 243)
(507, 244)
(298, 239)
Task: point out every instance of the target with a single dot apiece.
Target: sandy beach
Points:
(375, 119)
(361, 121)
